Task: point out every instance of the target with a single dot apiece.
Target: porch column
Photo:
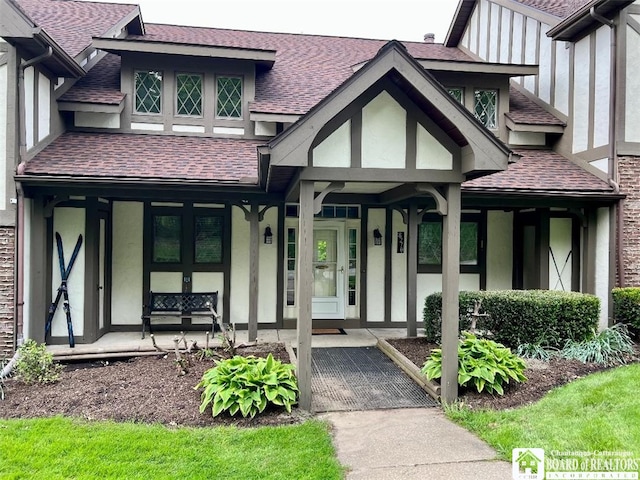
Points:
(304, 292)
(254, 261)
(450, 293)
(412, 269)
(40, 275)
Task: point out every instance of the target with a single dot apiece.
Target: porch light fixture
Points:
(268, 235)
(377, 237)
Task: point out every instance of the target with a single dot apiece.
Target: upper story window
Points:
(189, 94)
(148, 91)
(457, 93)
(486, 107)
(229, 97)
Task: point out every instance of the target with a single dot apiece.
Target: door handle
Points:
(342, 269)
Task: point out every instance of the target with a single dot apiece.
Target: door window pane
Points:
(291, 266)
(430, 243)
(208, 239)
(167, 235)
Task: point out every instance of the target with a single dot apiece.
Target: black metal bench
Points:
(181, 305)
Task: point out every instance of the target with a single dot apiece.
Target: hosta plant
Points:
(483, 363)
(247, 385)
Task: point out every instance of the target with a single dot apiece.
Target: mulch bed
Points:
(148, 389)
(541, 376)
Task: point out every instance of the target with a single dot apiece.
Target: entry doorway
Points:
(329, 272)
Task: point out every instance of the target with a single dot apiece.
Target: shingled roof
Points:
(100, 85)
(540, 172)
(525, 111)
(150, 157)
(72, 23)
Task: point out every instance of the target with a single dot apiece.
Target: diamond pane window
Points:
(208, 239)
(229, 101)
(189, 94)
(148, 92)
(167, 238)
(486, 107)
(457, 93)
(468, 243)
(430, 243)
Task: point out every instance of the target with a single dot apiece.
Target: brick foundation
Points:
(7, 249)
(629, 179)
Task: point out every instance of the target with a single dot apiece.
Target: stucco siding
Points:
(483, 44)
(494, 33)
(69, 222)
(375, 296)
(560, 254)
(3, 136)
(602, 265)
(530, 50)
(544, 75)
(127, 273)
(44, 107)
(335, 150)
(239, 294)
(430, 153)
(499, 250)
(398, 274)
(602, 87)
(97, 120)
(561, 86)
(581, 95)
(267, 285)
(384, 127)
(505, 36)
(632, 99)
(29, 105)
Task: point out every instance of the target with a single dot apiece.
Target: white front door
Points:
(328, 271)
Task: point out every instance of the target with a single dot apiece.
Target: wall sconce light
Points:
(268, 235)
(377, 237)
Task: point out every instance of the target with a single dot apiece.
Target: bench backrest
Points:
(182, 302)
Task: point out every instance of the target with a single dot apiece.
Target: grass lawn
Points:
(57, 448)
(596, 413)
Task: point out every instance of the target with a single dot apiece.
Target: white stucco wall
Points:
(239, 294)
(518, 32)
(206, 282)
(375, 269)
(581, 95)
(602, 87)
(530, 47)
(561, 89)
(473, 31)
(44, 107)
(29, 104)
(544, 69)
(632, 107)
(384, 127)
(499, 250)
(127, 273)
(97, 120)
(493, 33)
(335, 150)
(602, 164)
(268, 291)
(505, 38)
(430, 154)
(69, 222)
(560, 244)
(527, 138)
(429, 283)
(3, 137)
(398, 273)
(484, 6)
(602, 265)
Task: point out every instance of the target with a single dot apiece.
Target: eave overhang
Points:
(460, 18)
(532, 127)
(581, 21)
(481, 151)
(458, 66)
(262, 57)
(91, 107)
(272, 117)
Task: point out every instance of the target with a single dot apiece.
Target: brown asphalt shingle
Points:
(559, 8)
(524, 111)
(130, 156)
(540, 171)
(72, 23)
(100, 85)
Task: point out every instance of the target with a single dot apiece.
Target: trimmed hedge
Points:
(626, 306)
(544, 317)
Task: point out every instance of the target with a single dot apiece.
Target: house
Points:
(306, 176)
(527, 462)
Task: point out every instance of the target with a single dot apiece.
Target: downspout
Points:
(612, 177)
(22, 141)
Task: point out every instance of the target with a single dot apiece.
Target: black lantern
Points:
(268, 236)
(377, 237)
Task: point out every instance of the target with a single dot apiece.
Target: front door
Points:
(328, 271)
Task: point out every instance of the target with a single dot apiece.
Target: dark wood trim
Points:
(41, 238)
(388, 264)
(411, 249)
(542, 248)
(356, 139)
(576, 227)
(411, 147)
(517, 272)
(280, 267)
(589, 252)
(91, 269)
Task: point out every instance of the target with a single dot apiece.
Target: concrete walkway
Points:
(411, 443)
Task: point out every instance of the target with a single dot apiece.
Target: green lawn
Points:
(61, 448)
(596, 413)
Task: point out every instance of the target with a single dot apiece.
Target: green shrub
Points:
(536, 351)
(516, 317)
(626, 306)
(608, 347)
(483, 363)
(248, 384)
(35, 364)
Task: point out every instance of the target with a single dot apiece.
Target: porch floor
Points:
(115, 344)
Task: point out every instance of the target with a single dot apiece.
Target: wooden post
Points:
(304, 292)
(254, 262)
(450, 293)
(411, 245)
